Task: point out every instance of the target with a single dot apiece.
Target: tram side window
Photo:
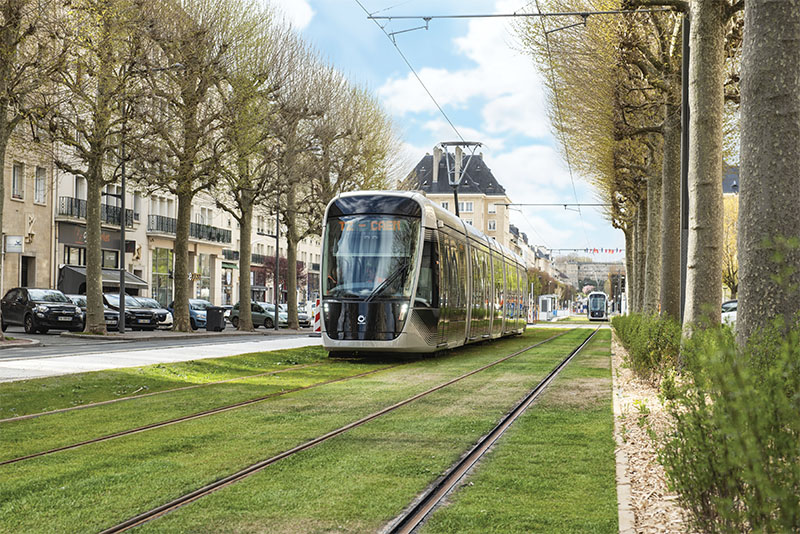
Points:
(428, 287)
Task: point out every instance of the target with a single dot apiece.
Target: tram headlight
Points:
(325, 307)
(403, 311)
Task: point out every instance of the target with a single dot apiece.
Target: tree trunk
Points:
(634, 275)
(4, 135)
(769, 218)
(245, 251)
(181, 272)
(652, 270)
(671, 215)
(629, 266)
(291, 256)
(641, 253)
(95, 318)
(706, 80)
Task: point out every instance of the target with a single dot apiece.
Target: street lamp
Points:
(277, 262)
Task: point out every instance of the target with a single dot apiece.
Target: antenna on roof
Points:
(454, 174)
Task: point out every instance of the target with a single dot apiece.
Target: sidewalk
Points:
(197, 334)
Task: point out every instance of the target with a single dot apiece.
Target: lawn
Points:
(554, 470)
(94, 486)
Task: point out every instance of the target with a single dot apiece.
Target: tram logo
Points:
(362, 319)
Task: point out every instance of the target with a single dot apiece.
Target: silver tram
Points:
(402, 274)
(597, 306)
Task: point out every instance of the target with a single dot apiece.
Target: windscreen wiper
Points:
(391, 278)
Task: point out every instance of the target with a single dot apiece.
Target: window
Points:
(492, 225)
(492, 208)
(203, 290)
(74, 255)
(110, 259)
(465, 207)
(260, 225)
(137, 206)
(161, 287)
(445, 205)
(40, 186)
(18, 181)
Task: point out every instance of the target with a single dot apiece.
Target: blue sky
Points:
(489, 90)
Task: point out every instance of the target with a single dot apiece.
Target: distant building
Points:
(482, 200)
(730, 180)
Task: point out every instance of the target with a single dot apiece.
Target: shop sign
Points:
(75, 234)
(15, 243)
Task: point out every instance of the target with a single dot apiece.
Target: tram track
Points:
(415, 515)
(254, 468)
(191, 417)
(153, 393)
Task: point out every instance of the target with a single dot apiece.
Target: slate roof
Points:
(730, 180)
(477, 178)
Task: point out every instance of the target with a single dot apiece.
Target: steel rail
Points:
(259, 466)
(418, 511)
(145, 395)
(190, 417)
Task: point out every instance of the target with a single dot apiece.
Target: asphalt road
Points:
(52, 344)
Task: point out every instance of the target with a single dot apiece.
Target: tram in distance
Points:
(402, 274)
(597, 306)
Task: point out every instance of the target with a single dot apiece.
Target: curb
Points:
(627, 521)
(186, 335)
(30, 343)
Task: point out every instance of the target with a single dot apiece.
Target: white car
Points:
(729, 308)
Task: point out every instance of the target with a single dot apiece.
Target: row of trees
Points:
(625, 135)
(195, 96)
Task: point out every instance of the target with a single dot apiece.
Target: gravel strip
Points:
(655, 508)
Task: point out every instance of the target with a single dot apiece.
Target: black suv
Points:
(136, 317)
(111, 316)
(39, 310)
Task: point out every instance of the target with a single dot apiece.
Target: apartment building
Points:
(482, 201)
(44, 242)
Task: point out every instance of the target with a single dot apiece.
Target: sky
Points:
(486, 86)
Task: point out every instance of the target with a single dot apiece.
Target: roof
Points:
(730, 180)
(476, 178)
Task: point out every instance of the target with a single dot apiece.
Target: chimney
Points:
(437, 156)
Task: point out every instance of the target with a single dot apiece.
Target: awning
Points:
(229, 265)
(72, 279)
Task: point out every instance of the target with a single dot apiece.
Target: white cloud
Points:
(503, 84)
(298, 12)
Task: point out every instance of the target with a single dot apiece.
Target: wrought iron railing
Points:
(168, 225)
(230, 254)
(76, 207)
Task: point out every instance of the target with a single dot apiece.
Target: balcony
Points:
(168, 225)
(229, 254)
(260, 259)
(76, 208)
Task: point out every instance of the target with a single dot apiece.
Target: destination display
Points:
(377, 225)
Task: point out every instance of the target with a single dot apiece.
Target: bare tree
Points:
(769, 220)
(248, 94)
(87, 121)
(192, 43)
(29, 51)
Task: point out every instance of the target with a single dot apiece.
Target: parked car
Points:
(111, 316)
(263, 314)
(303, 317)
(729, 309)
(163, 316)
(136, 317)
(227, 313)
(39, 310)
(197, 312)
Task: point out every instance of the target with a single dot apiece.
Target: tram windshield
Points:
(597, 303)
(370, 256)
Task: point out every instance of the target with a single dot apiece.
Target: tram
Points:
(597, 306)
(402, 274)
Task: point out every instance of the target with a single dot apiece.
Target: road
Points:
(60, 355)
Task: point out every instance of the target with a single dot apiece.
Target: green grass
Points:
(554, 470)
(360, 480)
(97, 485)
(43, 394)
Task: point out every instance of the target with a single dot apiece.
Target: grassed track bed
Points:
(554, 470)
(359, 480)
(98, 485)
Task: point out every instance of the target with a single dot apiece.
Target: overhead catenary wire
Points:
(411, 68)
